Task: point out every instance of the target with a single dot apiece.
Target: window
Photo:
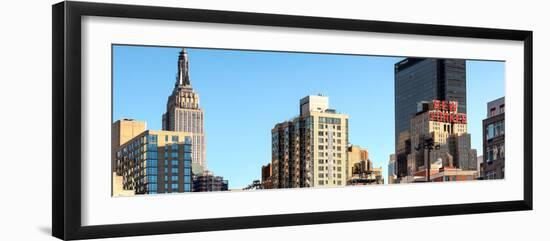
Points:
(175, 170)
(174, 186)
(320, 133)
(174, 138)
(321, 147)
(321, 140)
(187, 148)
(321, 183)
(174, 178)
(490, 132)
(175, 163)
(321, 126)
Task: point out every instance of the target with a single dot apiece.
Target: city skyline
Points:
(266, 87)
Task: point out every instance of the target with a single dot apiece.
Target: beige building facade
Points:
(440, 122)
(355, 155)
(310, 150)
(122, 131)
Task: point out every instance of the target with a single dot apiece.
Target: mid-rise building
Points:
(183, 112)
(363, 173)
(418, 80)
(155, 162)
(493, 140)
(446, 128)
(310, 150)
(207, 182)
(266, 182)
(355, 154)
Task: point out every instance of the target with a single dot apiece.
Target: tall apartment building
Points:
(418, 80)
(310, 150)
(441, 122)
(155, 162)
(183, 113)
(493, 140)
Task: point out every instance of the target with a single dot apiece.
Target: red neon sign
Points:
(447, 111)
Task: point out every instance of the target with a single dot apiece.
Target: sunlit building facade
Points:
(183, 112)
(440, 122)
(155, 162)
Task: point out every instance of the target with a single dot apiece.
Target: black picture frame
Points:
(66, 152)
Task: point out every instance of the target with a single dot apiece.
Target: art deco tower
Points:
(183, 112)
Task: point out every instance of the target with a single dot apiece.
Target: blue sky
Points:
(245, 93)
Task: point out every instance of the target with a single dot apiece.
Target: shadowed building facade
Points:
(493, 140)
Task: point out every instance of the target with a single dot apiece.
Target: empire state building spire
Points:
(184, 114)
(183, 69)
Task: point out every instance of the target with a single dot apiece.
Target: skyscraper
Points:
(310, 150)
(418, 80)
(183, 113)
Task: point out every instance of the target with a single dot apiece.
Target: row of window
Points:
(322, 175)
(494, 152)
(323, 168)
(323, 140)
(322, 154)
(323, 161)
(321, 182)
(330, 120)
(495, 130)
(174, 138)
(323, 133)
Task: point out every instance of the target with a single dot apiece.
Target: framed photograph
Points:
(173, 120)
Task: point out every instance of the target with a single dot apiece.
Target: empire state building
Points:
(183, 112)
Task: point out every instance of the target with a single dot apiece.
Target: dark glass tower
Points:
(419, 79)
